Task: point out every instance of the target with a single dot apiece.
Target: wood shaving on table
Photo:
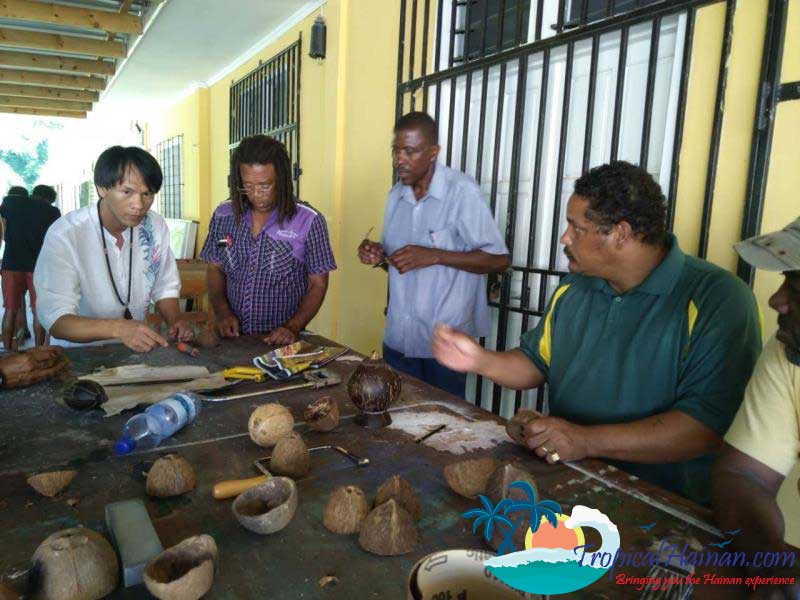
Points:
(459, 435)
(127, 396)
(134, 374)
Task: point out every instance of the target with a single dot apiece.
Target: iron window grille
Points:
(577, 84)
(267, 101)
(170, 198)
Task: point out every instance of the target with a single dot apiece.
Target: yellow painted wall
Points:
(347, 111)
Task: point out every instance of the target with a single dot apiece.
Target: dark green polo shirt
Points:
(685, 339)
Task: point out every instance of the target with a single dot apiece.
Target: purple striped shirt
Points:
(267, 276)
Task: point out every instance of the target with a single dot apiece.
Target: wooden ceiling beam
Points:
(35, 91)
(19, 38)
(42, 113)
(79, 82)
(50, 12)
(55, 63)
(44, 103)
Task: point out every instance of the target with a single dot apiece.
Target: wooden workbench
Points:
(37, 434)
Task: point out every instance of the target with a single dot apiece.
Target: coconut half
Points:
(388, 530)
(267, 507)
(398, 488)
(322, 415)
(74, 564)
(346, 509)
(469, 477)
(183, 572)
(50, 484)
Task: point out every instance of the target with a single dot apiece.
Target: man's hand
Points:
(137, 336)
(456, 350)
(412, 257)
(227, 325)
(556, 439)
(371, 253)
(181, 331)
(280, 336)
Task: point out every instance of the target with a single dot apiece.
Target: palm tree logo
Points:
(499, 514)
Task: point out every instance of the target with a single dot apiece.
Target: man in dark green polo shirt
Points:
(647, 351)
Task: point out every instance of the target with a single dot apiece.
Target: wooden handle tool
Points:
(234, 487)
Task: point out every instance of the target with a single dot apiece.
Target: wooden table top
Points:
(37, 434)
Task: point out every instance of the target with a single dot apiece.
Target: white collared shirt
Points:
(71, 276)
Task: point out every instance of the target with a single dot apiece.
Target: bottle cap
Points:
(124, 446)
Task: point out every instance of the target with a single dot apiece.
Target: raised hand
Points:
(456, 350)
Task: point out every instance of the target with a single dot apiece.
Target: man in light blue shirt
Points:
(439, 242)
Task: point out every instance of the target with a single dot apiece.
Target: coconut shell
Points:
(322, 415)
(497, 490)
(398, 488)
(183, 572)
(373, 386)
(388, 530)
(7, 592)
(291, 457)
(170, 475)
(468, 478)
(75, 564)
(515, 427)
(346, 509)
(50, 484)
(269, 423)
(267, 507)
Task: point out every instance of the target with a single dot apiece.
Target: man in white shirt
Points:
(102, 265)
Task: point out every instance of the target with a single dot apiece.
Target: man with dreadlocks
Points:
(268, 254)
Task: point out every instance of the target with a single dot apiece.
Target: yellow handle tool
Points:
(251, 373)
(234, 487)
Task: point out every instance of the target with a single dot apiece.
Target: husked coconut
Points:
(50, 484)
(398, 488)
(267, 507)
(269, 423)
(183, 572)
(346, 509)
(322, 415)
(291, 457)
(74, 564)
(388, 530)
(515, 427)
(170, 475)
(7, 592)
(468, 478)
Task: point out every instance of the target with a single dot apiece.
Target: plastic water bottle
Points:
(158, 422)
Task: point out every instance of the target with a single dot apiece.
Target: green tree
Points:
(27, 164)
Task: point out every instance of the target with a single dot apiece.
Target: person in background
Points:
(21, 225)
(439, 243)
(102, 265)
(646, 350)
(47, 195)
(756, 480)
(268, 253)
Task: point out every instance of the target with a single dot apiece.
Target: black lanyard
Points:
(127, 314)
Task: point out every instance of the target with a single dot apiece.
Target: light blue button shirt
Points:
(452, 216)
